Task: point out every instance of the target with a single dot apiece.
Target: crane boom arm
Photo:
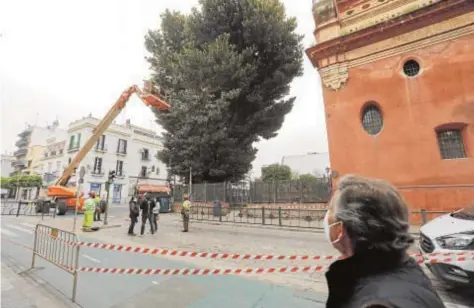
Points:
(99, 130)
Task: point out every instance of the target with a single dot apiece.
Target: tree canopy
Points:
(307, 177)
(276, 172)
(21, 181)
(226, 69)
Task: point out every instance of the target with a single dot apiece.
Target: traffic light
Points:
(111, 176)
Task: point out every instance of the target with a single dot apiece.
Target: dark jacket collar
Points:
(343, 275)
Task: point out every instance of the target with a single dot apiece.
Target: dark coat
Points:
(147, 206)
(386, 279)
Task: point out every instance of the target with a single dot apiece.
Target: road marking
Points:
(155, 282)
(8, 232)
(28, 225)
(90, 258)
(29, 231)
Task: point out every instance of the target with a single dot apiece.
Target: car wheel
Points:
(62, 208)
(39, 206)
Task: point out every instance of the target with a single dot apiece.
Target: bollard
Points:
(279, 216)
(263, 215)
(423, 216)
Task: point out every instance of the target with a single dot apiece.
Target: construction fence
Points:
(291, 191)
(26, 208)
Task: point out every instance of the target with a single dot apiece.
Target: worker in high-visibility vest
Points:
(185, 211)
(89, 209)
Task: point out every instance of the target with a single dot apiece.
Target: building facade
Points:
(31, 145)
(316, 164)
(398, 87)
(129, 150)
(7, 161)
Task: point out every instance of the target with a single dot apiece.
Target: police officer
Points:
(185, 211)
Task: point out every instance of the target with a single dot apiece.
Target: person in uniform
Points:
(89, 209)
(185, 211)
(98, 202)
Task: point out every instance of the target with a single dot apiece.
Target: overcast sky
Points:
(66, 59)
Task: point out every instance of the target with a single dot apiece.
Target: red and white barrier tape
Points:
(446, 260)
(204, 272)
(229, 271)
(233, 256)
(221, 256)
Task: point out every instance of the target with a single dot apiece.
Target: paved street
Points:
(102, 290)
(96, 290)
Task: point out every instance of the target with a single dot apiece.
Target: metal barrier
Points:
(58, 247)
(27, 208)
(268, 216)
(278, 216)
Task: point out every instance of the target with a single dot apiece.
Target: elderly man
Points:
(367, 222)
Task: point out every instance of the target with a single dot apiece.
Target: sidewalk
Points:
(25, 290)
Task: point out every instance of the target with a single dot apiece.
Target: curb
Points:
(110, 227)
(270, 227)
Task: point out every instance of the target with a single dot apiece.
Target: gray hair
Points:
(374, 214)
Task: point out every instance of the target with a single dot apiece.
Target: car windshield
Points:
(466, 213)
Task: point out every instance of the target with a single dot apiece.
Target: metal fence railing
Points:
(27, 208)
(268, 216)
(59, 248)
(291, 191)
(280, 217)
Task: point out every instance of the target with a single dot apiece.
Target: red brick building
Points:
(398, 86)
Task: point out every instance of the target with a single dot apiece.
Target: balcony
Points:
(101, 149)
(20, 152)
(19, 163)
(120, 175)
(97, 173)
(25, 133)
(73, 147)
(23, 142)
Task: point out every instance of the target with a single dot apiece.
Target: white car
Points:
(450, 233)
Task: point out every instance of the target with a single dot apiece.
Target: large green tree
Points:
(276, 172)
(226, 69)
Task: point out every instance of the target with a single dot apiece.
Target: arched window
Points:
(372, 120)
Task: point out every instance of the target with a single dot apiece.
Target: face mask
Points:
(327, 227)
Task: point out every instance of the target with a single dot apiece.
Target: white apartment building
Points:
(7, 161)
(314, 163)
(53, 159)
(31, 146)
(127, 149)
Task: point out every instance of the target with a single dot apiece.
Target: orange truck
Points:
(65, 198)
